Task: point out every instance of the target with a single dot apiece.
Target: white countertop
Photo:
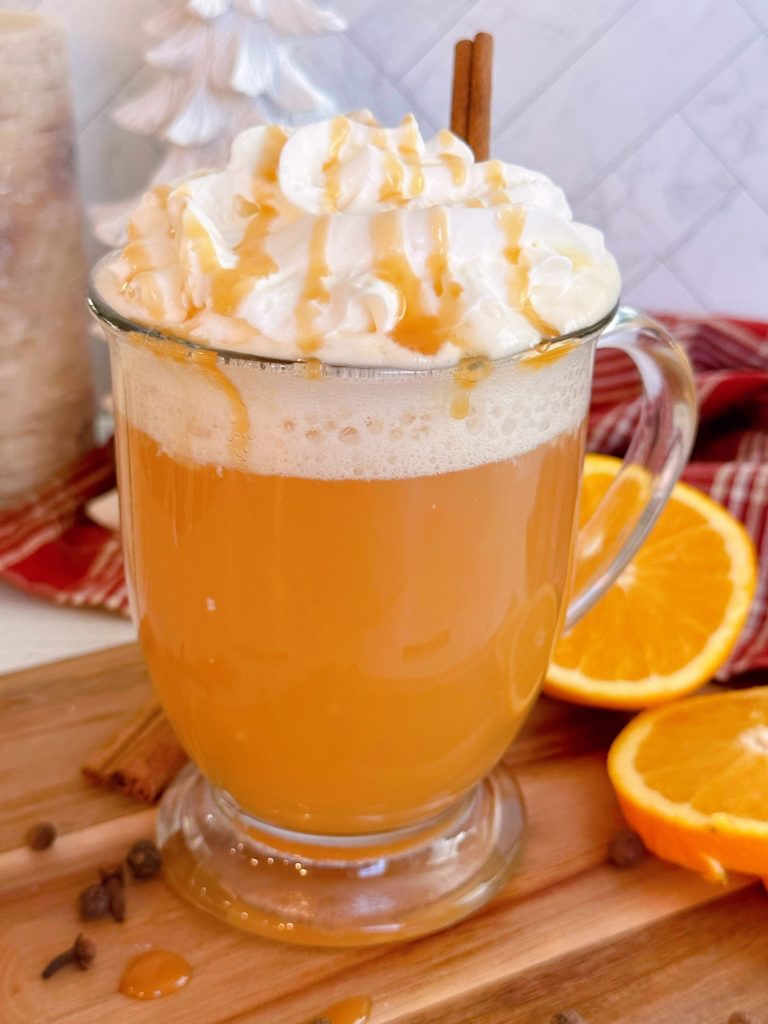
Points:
(33, 631)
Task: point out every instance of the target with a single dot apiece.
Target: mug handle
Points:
(659, 449)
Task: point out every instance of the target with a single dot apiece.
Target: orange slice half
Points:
(692, 781)
(671, 619)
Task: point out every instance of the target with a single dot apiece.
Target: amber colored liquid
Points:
(348, 656)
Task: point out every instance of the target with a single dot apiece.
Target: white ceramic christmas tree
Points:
(226, 64)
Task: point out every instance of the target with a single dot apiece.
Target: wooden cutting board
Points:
(647, 945)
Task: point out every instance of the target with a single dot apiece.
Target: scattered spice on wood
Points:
(113, 880)
(144, 859)
(81, 953)
(94, 903)
(626, 849)
(41, 836)
(568, 1017)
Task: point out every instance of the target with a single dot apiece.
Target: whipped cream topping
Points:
(361, 245)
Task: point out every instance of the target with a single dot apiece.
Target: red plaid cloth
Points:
(49, 547)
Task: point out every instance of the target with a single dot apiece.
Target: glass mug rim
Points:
(108, 315)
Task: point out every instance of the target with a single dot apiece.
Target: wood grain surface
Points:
(648, 944)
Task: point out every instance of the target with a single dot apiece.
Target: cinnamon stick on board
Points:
(471, 93)
(141, 760)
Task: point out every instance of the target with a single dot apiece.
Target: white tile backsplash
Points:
(731, 115)
(655, 196)
(758, 9)
(662, 292)
(532, 42)
(724, 263)
(653, 114)
(626, 84)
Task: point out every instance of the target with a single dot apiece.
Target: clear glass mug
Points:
(347, 584)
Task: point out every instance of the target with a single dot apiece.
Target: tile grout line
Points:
(734, 173)
(699, 225)
(398, 86)
(549, 80)
(700, 222)
(660, 263)
(419, 56)
(658, 123)
(750, 15)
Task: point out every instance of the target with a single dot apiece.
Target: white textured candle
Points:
(45, 383)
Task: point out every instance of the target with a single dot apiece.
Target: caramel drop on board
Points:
(154, 974)
(332, 167)
(349, 1011)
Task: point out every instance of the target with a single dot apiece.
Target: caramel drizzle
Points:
(408, 145)
(494, 174)
(315, 289)
(394, 175)
(417, 329)
(409, 150)
(512, 221)
(340, 128)
(276, 137)
(230, 285)
(457, 166)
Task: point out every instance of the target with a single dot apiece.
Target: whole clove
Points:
(41, 836)
(94, 903)
(81, 953)
(144, 859)
(626, 849)
(567, 1017)
(113, 880)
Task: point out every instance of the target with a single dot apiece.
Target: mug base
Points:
(332, 890)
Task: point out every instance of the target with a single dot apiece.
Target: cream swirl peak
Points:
(361, 245)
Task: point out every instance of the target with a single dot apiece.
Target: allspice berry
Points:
(41, 836)
(626, 849)
(94, 903)
(144, 859)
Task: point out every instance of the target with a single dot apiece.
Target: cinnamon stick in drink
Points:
(462, 64)
(479, 105)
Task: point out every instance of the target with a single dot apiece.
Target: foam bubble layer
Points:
(352, 424)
